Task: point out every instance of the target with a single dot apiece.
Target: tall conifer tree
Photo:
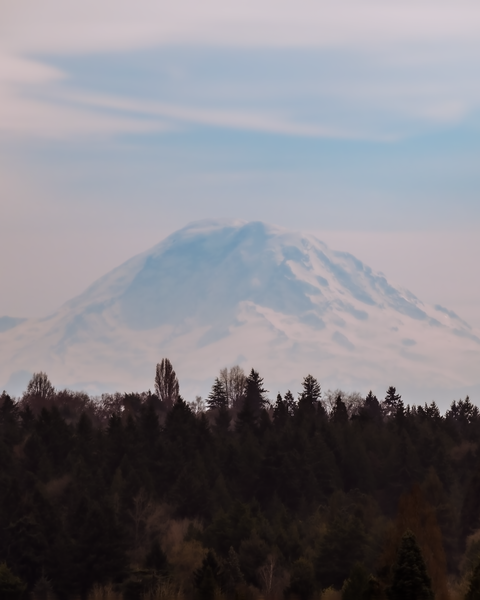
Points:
(218, 396)
(410, 577)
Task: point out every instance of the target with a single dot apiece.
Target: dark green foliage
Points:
(255, 391)
(11, 586)
(339, 412)
(463, 414)
(83, 482)
(280, 412)
(341, 547)
(302, 579)
(98, 552)
(218, 396)
(392, 402)
(371, 411)
(309, 396)
(223, 418)
(9, 420)
(254, 401)
(410, 579)
(311, 391)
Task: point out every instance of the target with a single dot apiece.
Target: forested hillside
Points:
(146, 495)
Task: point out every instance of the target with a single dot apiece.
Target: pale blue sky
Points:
(360, 121)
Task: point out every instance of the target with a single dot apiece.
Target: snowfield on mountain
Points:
(219, 293)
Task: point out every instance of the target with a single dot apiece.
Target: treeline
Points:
(148, 496)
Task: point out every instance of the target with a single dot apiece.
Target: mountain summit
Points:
(217, 293)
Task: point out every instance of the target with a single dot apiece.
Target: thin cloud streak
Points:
(33, 101)
(230, 119)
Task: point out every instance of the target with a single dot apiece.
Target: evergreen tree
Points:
(222, 420)
(255, 392)
(9, 411)
(311, 389)
(410, 578)
(302, 579)
(254, 401)
(391, 402)
(371, 410)
(9, 419)
(290, 403)
(339, 412)
(417, 516)
(342, 545)
(218, 396)
(280, 411)
(309, 396)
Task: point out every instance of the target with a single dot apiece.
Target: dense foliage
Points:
(239, 495)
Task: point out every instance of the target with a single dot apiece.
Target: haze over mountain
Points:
(219, 293)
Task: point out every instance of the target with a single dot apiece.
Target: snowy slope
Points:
(217, 293)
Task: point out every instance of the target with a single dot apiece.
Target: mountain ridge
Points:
(219, 292)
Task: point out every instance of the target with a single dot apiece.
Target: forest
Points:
(241, 496)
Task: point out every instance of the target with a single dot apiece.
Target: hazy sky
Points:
(121, 121)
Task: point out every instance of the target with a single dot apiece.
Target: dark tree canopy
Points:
(339, 412)
(255, 400)
(410, 578)
(152, 497)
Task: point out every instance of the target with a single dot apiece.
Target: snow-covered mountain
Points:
(218, 293)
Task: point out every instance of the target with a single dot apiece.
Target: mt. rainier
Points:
(217, 293)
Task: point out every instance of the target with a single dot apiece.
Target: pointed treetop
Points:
(218, 396)
(410, 577)
(311, 389)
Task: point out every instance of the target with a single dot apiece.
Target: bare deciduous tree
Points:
(166, 383)
(198, 405)
(273, 579)
(234, 384)
(40, 386)
(352, 400)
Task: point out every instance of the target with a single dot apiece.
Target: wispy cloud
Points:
(422, 54)
(215, 117)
